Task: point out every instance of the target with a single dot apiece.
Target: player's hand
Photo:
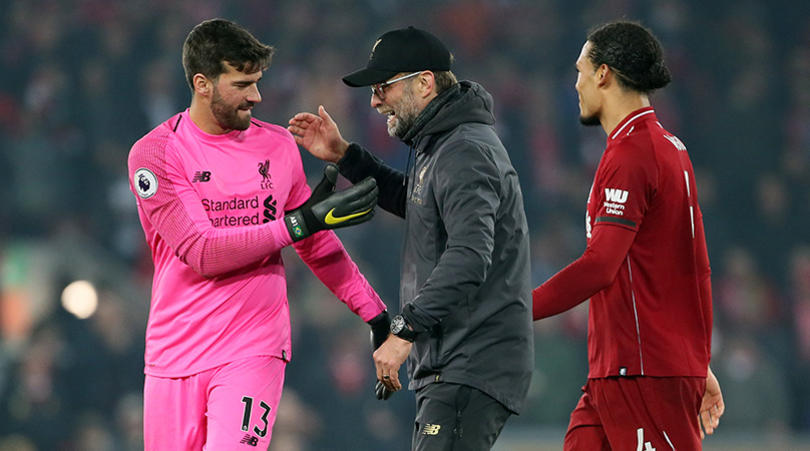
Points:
(327, 209)
(388, 358)
(712, 406)
(319, 134)
(380, 329)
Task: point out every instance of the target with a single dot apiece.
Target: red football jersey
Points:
(655, 319)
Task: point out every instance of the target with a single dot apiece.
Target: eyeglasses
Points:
(379, 88)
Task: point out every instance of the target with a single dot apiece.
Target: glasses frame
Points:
(378, 89)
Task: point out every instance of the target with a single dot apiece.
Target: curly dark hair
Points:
(632, 52)
(216, 40)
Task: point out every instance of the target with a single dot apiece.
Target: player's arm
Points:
(634, 172)
(704, 277)
(712, 405)
(329, 261)
(592, 272)
(324, 253)
(466, 185)
(173, 207)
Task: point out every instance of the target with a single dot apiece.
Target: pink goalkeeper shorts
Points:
(230, 407)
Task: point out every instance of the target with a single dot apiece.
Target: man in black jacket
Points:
(465, 322)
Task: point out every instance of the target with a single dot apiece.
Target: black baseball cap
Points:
(403, 50)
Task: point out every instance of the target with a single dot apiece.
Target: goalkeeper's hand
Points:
(327, 209)
(380, 328)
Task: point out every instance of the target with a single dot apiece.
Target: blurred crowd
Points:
(83, 79)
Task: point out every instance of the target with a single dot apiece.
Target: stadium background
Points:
(82, 80)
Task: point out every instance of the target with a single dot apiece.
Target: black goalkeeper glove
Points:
(380, 328)
(327, 209)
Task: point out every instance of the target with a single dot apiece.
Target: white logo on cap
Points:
(145, 182)
(374, 48)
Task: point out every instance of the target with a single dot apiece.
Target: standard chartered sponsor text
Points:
(234, 204)
(231, 204)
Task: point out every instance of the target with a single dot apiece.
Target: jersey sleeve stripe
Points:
(621, 221)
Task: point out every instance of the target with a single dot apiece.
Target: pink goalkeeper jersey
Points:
(211, 207)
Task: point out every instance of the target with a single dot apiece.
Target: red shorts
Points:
(637, 413)
(232, 406)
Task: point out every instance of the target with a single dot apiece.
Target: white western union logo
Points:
(431, 429)
(616, 195)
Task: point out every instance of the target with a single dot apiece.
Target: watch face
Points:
(397, 324)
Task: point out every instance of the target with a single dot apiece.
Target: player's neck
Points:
(202, 117)
(618, 107)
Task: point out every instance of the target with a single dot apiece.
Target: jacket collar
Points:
(428, 113)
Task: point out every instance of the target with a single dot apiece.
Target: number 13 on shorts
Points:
(248, 402)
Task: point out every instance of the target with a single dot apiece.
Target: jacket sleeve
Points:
(467, 188)
(359, 163)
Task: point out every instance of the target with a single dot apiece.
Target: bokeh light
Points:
(80, 299)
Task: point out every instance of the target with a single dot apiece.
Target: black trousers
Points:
(453, 417)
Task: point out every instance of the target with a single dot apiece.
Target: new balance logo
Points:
(431, 429)
(249, 440)
(201, 176)
(616, 195)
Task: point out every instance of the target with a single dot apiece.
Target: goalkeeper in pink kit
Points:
(219, 195)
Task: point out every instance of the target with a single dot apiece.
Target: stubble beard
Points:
(226, 115)
(406, 113)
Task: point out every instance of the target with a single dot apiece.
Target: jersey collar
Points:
(646, 113)
(198, 132)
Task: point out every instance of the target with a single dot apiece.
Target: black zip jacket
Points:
(465, 283)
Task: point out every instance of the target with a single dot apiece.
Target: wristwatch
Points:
(399, 327)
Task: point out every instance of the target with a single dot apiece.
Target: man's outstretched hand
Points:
(319, 134)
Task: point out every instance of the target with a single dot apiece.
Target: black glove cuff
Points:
(296, 225)
(381, 320)
(380, 326)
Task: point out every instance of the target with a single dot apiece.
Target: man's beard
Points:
(226, 115)
(589, 120)
(406, 113)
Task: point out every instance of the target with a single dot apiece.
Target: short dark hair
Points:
(632, 52)
(216, 40)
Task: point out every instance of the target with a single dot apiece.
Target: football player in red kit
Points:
(645, 267)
